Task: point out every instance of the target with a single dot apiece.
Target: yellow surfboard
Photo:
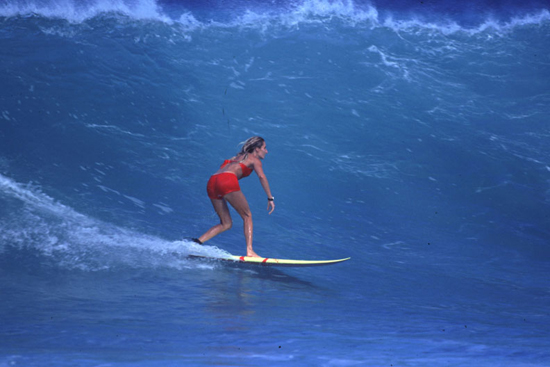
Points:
(265, 261)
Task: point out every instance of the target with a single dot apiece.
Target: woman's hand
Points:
(271, 205)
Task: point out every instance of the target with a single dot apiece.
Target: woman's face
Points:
(262, 151)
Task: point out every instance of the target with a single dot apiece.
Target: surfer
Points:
(223, 187)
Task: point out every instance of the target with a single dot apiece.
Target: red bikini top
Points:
(246, 171)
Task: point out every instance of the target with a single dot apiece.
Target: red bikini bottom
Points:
(222, 184)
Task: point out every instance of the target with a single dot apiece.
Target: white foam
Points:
(323, 11)
(75, 11)
(293, 15)
(189, 21)
(165, 209)
(448, 27)
(76, 241)
(343, 9)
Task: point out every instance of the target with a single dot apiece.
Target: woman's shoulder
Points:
(254, 161)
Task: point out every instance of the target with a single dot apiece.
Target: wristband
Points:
(271, 199)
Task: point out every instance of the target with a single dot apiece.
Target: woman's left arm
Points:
(265, 184)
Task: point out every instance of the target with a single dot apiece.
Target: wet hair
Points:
(250, 145)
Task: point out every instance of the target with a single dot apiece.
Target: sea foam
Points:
(292, 14)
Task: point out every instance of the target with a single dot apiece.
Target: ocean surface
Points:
(412, 136)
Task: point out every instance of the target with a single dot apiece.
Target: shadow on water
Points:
(259, 272)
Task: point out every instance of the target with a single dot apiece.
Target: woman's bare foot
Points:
(252, 254)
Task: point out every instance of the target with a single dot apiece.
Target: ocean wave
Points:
(64, 238)
(449, 26)
(291, 14)
(76, 11)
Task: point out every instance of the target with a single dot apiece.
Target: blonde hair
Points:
(250, 145)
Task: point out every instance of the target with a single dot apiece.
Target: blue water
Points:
(411, 136)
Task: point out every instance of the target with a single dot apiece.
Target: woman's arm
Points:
(265, 184)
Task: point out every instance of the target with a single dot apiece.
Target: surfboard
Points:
(265, 261)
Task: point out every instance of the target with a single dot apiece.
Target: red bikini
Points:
(246, 171)
(226, 182)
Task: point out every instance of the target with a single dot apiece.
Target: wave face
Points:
(412, 137)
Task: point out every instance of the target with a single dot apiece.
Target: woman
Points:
(223, 187)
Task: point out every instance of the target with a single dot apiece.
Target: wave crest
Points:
(249, 15)
(76, 12)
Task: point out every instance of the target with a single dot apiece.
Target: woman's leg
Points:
(238, 201)
(225, 220)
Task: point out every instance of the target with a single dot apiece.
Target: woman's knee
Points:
(246, 215)
(226, 224)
